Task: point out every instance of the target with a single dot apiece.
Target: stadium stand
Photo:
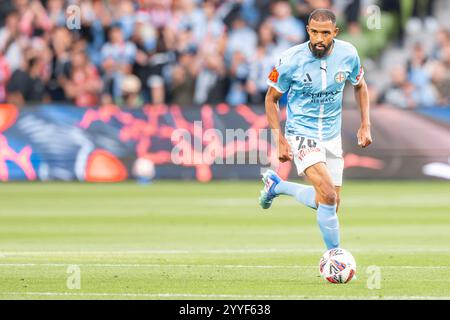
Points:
(191, 52)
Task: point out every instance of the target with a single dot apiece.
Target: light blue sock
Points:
(302, 193)
(329, 225)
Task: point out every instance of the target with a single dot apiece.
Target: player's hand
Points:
(364, 136)
(284, 150)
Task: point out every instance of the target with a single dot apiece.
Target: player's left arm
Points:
(362, 98)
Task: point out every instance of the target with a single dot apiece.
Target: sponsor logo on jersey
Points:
(322, 94)
(307, 78)
(322, 97)
(307, 81)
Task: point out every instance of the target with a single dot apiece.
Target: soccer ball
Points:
(337, 266)
(144, 170)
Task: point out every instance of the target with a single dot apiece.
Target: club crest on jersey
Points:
(340, 77)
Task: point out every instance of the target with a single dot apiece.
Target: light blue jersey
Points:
(315, 87)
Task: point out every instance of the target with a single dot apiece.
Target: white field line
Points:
(215, 251)
(218, 296)
(225, 266)
(174, 251)
(347, 202)
(144, 265)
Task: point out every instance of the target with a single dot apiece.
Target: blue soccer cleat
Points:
(270, 180)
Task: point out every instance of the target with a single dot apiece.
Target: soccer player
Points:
(314, 75)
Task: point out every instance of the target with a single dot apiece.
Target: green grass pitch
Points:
(185, 240)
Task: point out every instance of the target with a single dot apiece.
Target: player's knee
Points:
(330, 197)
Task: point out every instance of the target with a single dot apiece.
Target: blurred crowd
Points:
(148, 51)
(422, 79)
(186, 52)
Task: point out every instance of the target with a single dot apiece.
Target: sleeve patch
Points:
(359, 74)
(273, 76)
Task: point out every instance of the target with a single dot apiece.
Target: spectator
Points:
(402, 93)
(25, 84)
(399, 93)
(157, 89)
(6, 6)
(441, 81)
(260, 67)
(446, 56)
(214, 29)
(56, 12)
(145, 36)
(5, 73)
(352, 15)
(239, 72)
(268, 40)
(11, 41)
(34, 18)
(441, 77)
(374, 94)
(84, 85)
(262, 63)
(194, 19)
(250, 13)
(303, 9)
(442, 42)
(215, 39)
(182, 86)
(96, 19)
(118, 56)
(416, 66)
(131, 92)
(126, 18)
(241, 38)
(212, 82)
(156, 12)
(288, 30)
(182, 51)
(159, 62)
(145, 39)
(60, 67)
(420, 77)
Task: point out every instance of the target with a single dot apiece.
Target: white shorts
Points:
(307, 152)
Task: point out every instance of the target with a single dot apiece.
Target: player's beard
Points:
(320, 53)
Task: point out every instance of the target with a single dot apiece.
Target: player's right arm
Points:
(279, 82)
(272, 113)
